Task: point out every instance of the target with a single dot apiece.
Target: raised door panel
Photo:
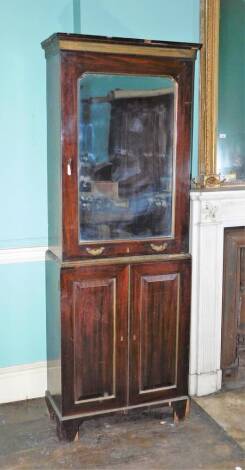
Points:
(94, 336)
(159, 331)
(94, 314)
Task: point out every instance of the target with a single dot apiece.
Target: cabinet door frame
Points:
(103, 276)
(73, 66)
(181, 270)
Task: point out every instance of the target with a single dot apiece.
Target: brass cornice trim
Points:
(105, 48)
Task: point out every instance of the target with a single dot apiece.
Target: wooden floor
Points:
(140, 440)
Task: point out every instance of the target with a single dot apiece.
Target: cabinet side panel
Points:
(54, 154)
(53, 329)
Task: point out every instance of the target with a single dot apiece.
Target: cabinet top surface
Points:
(90, 43)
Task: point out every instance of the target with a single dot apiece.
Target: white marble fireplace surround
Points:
(211, 212)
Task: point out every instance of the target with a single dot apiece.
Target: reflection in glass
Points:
(126, 152)
(231, 156)
(231, 112)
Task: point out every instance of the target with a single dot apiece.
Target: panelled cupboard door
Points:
(159, 331)
(94, 338)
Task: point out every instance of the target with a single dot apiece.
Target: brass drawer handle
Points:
(158, 248)
(68, 167)
(95, 251)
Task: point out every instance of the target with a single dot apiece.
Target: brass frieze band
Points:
(118, 260)
(125, 49)
(124, 260)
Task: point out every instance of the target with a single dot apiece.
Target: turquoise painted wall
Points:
(22, 306)
(23, 203)
(176, 20)
(23, 25)
(171, 20)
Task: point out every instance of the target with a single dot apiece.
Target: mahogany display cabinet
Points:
(119, 126)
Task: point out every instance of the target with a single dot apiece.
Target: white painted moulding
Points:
(22, 255)
(23, 382)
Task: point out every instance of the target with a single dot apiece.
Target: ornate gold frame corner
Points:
(208, 95)
(209, 181)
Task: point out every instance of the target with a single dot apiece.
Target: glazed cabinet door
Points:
(126, 129)
(94, 338)
(159, 330)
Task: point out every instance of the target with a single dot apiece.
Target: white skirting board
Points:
(23, 382)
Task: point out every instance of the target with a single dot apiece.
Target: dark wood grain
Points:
(181, 410)
(94, 324)
(242, 288)
(53, 328)
(159, 336)
(54, 172)
(158, 319)
(73, 65)
(118, 331)
(94, 338)
(51, 44)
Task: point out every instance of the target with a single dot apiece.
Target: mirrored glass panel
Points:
(231, 100)
(126, 158)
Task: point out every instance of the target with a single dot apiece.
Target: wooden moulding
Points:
(102, 44)
(76, 263)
